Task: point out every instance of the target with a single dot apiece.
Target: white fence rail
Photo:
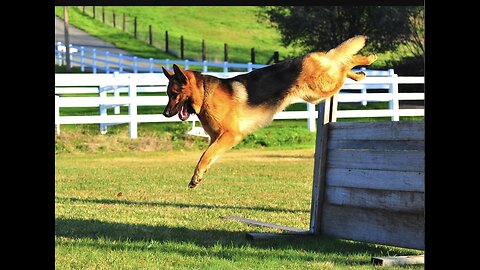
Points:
(117, 83)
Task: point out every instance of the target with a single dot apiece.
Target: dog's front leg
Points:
(223, 143)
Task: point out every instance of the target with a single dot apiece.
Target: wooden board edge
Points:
(398, 260)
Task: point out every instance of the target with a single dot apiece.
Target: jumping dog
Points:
(229, 109)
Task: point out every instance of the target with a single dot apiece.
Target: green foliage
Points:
(416, 40)
(320, 28)
(408, 66)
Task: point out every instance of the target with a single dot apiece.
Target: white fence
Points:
(99, 61)
(116, 83)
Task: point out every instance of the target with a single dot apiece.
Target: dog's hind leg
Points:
(356, 76)
(223, 143)
(360, 61)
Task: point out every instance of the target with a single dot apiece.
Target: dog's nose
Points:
(167, 113)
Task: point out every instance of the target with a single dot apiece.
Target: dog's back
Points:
(312, 78)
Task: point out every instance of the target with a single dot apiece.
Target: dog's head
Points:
(180, 94)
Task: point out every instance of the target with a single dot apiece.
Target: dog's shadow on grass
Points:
(180, 205)
(121, 236)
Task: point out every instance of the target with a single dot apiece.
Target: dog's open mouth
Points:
(185, 110)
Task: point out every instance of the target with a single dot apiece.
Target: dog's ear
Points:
(167, 73)
(179, 74)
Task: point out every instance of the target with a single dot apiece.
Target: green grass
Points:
(157, 223)
(238, 27)
(63, 69)
(281, 134)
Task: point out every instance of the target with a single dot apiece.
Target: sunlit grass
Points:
(133, 210)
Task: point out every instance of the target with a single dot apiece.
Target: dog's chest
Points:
(252, 119)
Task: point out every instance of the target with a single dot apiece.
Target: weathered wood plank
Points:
(374, 226)
(377, 160)
(395, 201)
(376, 179)
(320, 163)
(392, 130)
(398, 260)
(418, 145)
(264, 224)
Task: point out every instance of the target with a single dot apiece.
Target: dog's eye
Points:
(174, 95)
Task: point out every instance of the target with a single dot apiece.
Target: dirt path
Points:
(82, 38)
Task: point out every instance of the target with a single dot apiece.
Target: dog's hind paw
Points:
(372, 57)
(194, 182)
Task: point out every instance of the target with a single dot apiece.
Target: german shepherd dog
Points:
(229, 109)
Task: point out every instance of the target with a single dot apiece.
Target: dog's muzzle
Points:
(167, 113)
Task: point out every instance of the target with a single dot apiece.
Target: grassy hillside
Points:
(237, 26)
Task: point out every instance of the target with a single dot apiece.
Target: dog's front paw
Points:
(194, 182)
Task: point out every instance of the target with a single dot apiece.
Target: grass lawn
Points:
(133, 210)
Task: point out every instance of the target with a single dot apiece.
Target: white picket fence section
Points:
(133, 83)
(104, 61)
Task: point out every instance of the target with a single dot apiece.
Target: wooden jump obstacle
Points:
(368, 183)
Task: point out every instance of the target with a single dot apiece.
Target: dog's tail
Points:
(347, 49)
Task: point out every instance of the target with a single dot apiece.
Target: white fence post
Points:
(71, 55)
(186, 64)
(82, 59)
(132, 108)
(103, 109)
(116, 93)
(205, 66)
(94, 60)
(57, 114)
(150, 65)
(393, 104)
(396, 102)
(225, 67)
(364, 90)
(107, 61)
(120, 65)
(311, 123)
(249, 67)
(59, 54)
(135, 64)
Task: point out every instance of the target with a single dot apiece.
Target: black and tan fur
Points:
(230, 109)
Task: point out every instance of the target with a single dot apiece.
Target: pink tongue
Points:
(183, 114)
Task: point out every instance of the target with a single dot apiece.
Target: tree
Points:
(416, 39)
(320, 28)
